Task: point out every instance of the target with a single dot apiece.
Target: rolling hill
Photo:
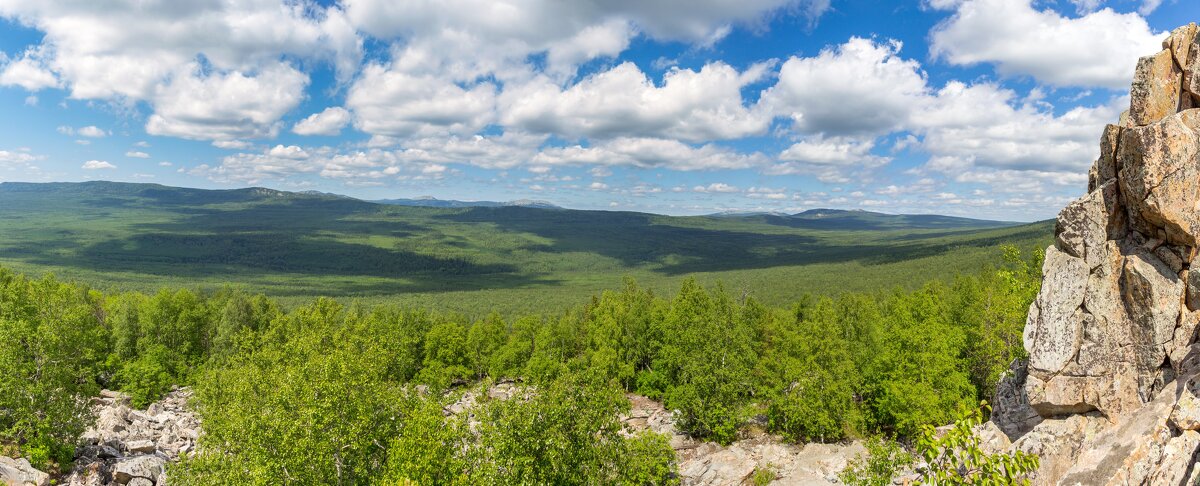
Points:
(517, 258)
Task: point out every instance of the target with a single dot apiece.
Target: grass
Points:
(471, 260)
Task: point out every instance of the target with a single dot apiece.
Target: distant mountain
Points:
(431, 202)
(843, 219)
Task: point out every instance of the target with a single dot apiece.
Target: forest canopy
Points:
(333, 392)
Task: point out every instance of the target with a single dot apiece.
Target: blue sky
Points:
(985, 108)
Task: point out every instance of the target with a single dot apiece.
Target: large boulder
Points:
(18, 472)
(1054, 327)
(1159, 169)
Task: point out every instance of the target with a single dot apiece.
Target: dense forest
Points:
(344, 393)
(294, 247)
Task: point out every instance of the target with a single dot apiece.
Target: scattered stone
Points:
(132, 447)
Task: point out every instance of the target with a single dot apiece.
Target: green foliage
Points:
(763, 476)
(518, 261)
(883, 460)
(950, 457)
(447, 359)
(53, 348)
(311, 404)
(150, 375)
(707, 358)
(430, 448)
(329, 394)
(566, 432)
(956, 458)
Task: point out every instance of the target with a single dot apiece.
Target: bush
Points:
(53, 351)
(150, 376)
(884, 459)
(955, 457)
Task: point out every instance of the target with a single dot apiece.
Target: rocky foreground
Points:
(709, 463)
(1111, 391)
(124, 446)
(132, 447)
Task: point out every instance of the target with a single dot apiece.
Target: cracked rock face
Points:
(1109, 392)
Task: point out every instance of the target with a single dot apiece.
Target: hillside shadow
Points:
(636, 240)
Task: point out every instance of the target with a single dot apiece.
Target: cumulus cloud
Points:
(27, 72)
(986, 125)
(137, 155)
(97, 165)
(391, 102)
(99, 51)
(1097, 49)
(328, 122)
(92, 132)
(859, 87)
(226, 106)
(12, 158)
(622, 101)
(830, 160)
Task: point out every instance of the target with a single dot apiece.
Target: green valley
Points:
(515, 259)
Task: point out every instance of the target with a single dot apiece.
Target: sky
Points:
(980, 108)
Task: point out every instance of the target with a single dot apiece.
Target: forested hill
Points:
(302, 244)
(841, 219)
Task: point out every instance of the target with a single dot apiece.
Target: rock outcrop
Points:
(133, 447)
(1109, 392)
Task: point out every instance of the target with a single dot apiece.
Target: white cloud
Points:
(390, 102)
(27, 72)
(651, 153)
(226, 106)
(535, 25)
(984, 125)
(17, 158)
(1149, 6)
(328, 122)
(1099, 49)
(92, 132)
(100, 51)
(830, 160)
(288, 152)
(1087, 6)
(598, 186)
(622, 101)
(137, 155)
(716, 187)
(97, 165)
(860, 87)
(232, 144)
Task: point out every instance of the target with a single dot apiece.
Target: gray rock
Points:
(18, 472)
(140, 446)
(1152, 292)
(148, 467)
(1054, 327)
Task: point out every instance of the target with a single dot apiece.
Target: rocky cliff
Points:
(1109, 394)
